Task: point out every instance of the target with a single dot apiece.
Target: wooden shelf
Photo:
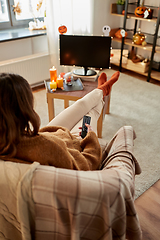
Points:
(129, 42)
(129, 15)
(149, 47)
(154, 74)
(126, 67)
(157, 49)
(132, 16)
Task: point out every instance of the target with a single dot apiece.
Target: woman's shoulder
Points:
(52, 129)
(42, 140)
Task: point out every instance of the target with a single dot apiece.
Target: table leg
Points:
(66, 103)
(105, 110)
(108, 105)
(50, 102)
(99, 125)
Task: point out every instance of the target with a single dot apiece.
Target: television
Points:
(86, 52)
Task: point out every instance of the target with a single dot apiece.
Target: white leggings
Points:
(91, 104)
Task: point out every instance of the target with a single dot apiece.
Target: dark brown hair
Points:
(17, 116)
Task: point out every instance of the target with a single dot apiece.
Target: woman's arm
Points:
(91, 154)
(82, 154)
(92, 149)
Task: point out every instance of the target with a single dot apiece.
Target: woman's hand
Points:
(89, 128)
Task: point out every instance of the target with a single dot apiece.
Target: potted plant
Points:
(120, 6)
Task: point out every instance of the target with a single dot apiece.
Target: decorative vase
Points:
(120, 8)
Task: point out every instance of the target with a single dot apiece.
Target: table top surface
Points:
(88, 86)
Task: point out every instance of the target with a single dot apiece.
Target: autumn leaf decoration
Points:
(17, 9)
(39, 5)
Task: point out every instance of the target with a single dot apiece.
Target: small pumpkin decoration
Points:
(144, 43)
(138, 38)
(119, 35)
(62, 29)
(139, 11)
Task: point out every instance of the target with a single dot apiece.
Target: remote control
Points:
(86, 119)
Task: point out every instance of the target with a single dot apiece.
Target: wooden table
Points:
(74, 96)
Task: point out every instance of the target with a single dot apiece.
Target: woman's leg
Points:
(118, 153)
(71, 117)
(91, 104)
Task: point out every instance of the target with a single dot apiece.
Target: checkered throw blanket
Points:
(88, 205)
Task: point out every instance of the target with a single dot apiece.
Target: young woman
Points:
(57, 144)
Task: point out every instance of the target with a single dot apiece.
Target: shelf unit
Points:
(126, 41)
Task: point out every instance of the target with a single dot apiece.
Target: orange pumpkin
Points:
(139, 11)
(62, 29)
(118, 34)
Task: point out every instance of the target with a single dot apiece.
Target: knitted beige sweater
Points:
(56, 146)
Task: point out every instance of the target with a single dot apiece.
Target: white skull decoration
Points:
(106, 30)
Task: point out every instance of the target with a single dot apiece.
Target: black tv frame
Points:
(85, 51)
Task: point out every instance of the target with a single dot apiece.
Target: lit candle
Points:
(59, 82)
(53, 74)
(53, 85)
(150, 13)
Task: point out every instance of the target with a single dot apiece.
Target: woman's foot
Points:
(106, 87)
(102, 79)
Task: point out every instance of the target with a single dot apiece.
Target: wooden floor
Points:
(148, 209)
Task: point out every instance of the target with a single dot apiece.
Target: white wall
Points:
(102, 16)
(28, 57)
(23, 47)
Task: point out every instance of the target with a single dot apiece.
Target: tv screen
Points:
(85, 51)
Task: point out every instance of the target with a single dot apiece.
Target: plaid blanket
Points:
(83, 205)
(89, 205)
(16, 206)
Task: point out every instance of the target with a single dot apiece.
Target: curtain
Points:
(76, 15)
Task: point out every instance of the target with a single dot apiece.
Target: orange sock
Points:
(106, 87)
(102, 79)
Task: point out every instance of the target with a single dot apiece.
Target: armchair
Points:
(44, 202)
